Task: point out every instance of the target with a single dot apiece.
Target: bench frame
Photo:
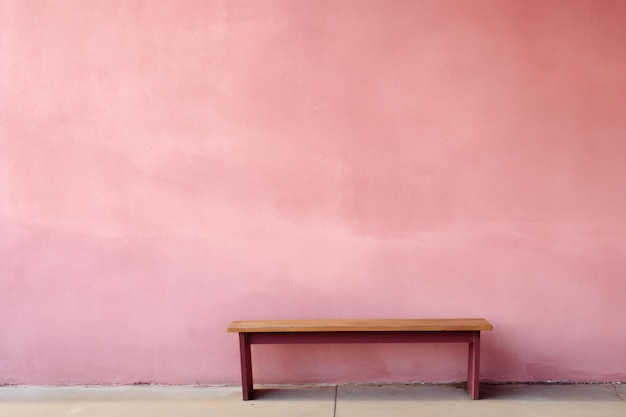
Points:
(424, 331)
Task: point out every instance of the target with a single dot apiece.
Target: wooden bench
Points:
(360, 331)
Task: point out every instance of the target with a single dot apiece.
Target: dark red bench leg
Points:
(473, 377)
(246, 366)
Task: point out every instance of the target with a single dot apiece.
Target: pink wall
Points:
(169, 166)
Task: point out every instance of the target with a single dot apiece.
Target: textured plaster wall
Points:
(169, 166)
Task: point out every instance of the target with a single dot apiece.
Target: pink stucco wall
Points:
(169, 166)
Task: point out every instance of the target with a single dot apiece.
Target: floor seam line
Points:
(335, 408)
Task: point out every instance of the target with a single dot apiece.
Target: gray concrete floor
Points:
(537, 400)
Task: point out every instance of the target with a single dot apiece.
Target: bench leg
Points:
(246, 366)
(473, 378)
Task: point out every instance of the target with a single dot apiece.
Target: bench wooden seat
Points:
(360, 331)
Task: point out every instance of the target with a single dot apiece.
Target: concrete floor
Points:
(603, 400)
